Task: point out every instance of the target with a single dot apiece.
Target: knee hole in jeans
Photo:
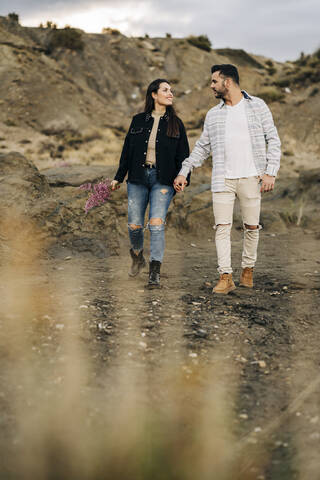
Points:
(251, 227)
(132, 226)
(221, 225)
(155, 221)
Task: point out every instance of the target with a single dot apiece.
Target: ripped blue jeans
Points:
(159, 197)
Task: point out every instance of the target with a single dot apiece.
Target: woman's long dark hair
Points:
(173, 123)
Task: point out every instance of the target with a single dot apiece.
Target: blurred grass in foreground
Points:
(60, 421)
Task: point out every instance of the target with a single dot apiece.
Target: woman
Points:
(154, 149)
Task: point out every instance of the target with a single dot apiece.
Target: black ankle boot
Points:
(154, 274)
(138, 262)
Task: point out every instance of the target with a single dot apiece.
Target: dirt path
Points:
(270, 333)
(263, 343)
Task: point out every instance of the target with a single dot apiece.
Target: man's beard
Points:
(222, 94)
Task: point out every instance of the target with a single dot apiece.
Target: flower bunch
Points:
(100, 193)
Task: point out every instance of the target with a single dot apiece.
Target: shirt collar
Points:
(245, 95)
(149, 115)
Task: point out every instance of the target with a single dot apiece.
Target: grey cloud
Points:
(29, 7)
(276, 29)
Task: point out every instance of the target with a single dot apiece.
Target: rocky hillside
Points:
(67, 96)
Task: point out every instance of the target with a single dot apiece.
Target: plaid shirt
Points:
(264, 138)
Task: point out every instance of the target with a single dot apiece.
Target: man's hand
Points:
(267, 183)
(115, 185)
(179, 183)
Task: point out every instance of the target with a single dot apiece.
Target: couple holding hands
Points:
(240, 135)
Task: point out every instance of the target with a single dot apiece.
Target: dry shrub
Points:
(270, 94)
(202, 42)
(66, 38)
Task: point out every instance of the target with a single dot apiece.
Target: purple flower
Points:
(100, 194)
(86, 186)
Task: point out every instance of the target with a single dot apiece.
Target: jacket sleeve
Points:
(200, 152)
(124, 159)
(272, 140)
(183, 146)
(183, 149)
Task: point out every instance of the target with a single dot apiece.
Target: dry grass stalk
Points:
(172, 421)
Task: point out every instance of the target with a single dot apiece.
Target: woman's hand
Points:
(115, 185)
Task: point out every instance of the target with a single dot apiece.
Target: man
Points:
(245, 147)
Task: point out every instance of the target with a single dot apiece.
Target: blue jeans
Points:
(159, 196)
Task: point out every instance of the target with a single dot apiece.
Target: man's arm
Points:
(273, 149)
(199, 154)
(272, 140)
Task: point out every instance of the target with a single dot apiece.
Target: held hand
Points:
(179, 183)
(115, 185)
(267, 183)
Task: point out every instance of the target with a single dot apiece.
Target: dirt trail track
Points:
(270, 334)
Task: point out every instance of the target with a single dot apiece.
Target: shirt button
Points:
(146, 141)
(145, 153)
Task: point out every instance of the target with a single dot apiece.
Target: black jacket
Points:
(170, 152)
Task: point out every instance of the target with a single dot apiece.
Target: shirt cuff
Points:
(272, 170)
(184, 171)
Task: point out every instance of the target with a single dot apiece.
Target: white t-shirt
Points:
(239, 161)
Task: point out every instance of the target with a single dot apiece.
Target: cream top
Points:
(151, 152)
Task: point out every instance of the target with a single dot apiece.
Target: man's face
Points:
(218, 85)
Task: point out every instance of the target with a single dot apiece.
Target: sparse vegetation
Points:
(68, 38)
(51, 25)
(202, 42)
(10, 122)
(111, 31)
(271, 94)
(282, 83)
(271, 70)
(302, 60)
(307, 75)
(288, 153)
(168, 35)
(306, 71)
(314, 92)
(13, 17)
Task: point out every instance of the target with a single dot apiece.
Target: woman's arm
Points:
(124, 163)
(183, 150)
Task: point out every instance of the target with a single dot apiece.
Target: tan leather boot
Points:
(225, 284)
(246, 277)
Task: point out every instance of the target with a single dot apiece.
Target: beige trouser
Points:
(248, 192)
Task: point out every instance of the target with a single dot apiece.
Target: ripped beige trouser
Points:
(248, 192)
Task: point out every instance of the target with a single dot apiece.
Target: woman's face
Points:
(164, 95)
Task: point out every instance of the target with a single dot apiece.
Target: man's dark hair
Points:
(227, 71)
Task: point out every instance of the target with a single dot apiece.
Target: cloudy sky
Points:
(280, 29)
